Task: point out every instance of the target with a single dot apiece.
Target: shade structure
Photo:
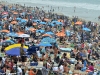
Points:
(42, 23)
(12, 34)
(66, 49)
(86, 29)
(40, 30)
(4, 13)
(48, 35)
(61, 34)
(24, 35)
(6, 31)
(51, 33)
(14, 49)
(7, 43)
(48, 39)
(78, 23)
(45, 44)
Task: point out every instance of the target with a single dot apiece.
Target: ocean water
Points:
(85, 9)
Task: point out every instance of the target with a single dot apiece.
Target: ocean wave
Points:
(62, 4)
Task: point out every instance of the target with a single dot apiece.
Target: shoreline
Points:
(46, 8)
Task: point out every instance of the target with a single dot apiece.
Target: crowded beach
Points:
(35, 42)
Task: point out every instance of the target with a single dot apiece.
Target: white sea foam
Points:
(60, 4)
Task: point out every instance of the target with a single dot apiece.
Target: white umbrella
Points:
(24, 35)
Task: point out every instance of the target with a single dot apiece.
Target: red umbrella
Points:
(4, 13)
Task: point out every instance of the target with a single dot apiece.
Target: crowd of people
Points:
(80, 36)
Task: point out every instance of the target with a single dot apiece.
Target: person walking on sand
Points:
(74, 9)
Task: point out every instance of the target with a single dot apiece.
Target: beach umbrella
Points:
(48, 39)
(19, 33)
(51, 33)
(6, 31)
(86, 29)
(66, 49)
(46, 35)
(61, 34)
(24, 35)
(44, 44)
(19, 19)
(40, 30)
(23, 20)
(7, 43)
(15, 13)
(42, 23)
(14, 49)
(78, 23)
(12, 34)
(59, 23)
(4, 13)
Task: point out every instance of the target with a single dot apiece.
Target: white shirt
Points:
(38, 53)
(61, 69)
(19, 71)
(55, 68)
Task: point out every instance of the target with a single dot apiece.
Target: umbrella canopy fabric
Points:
(44, 44)
(86, 29)
(42, 23)
(61, 34)
(40, 30)
(51, 33)
(48, 39)
(14, 49)
(4, 31)
(46, 35)
(36, 20)
(12, 34)
(24, 35)
(78, 23)
(66, 49)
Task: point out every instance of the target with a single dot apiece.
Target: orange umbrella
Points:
(78, 23)
(61, 34)
(60, 20)
(7, 31)
(19, 33)
(34, 24)
(32, 29)
(14, 22)
(15, 13)
(46, 35)
(46, 19)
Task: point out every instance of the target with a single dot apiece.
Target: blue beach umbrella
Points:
(19, 19)
(40, 30)
(44, 44)
(23, 21)
(66, 49)
(14, 49)
(86, 29)
(51, 33)
(12, 34)
(48, 39)
(42, 23)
